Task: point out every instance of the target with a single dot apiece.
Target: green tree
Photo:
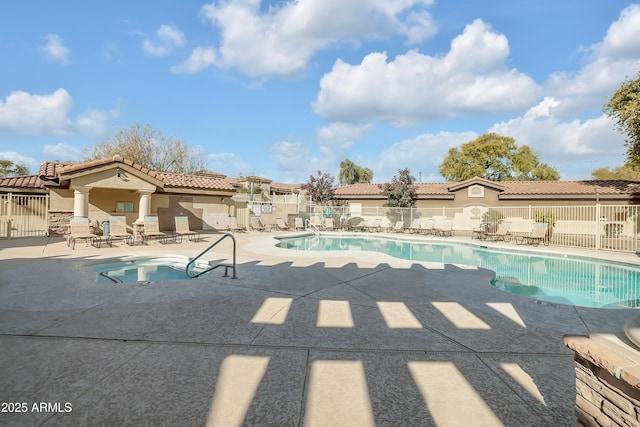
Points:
(10, 168)
(401, 191)
(497, 158)
(149, 148)
(624, 172)
(350, 173)
(321, 187)
(624, 108)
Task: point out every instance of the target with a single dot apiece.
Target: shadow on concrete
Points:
(287, 343)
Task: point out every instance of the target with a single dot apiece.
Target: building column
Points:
(144, 206)
(81, 201)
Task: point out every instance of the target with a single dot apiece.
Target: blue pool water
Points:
(559, 279)
(142, 270)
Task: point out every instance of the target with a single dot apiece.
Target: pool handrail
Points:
(226, 266)
(311, 227)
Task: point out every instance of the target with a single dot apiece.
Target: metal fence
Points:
(610, 227)
(23, 215)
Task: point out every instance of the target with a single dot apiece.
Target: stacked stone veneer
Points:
(59, 222)
(607, 380)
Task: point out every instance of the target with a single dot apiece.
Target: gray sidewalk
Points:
(348, 339)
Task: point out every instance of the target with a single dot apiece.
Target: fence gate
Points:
(23, 215)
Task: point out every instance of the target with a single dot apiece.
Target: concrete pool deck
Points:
(298, 338)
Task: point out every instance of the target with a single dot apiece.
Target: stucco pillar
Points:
(81, 201)
(144, 206)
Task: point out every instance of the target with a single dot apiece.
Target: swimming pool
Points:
(143, 269)
(559, 279)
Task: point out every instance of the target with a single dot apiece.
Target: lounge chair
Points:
(502, 233)
(152, 231)
(183, 229)
(480, 232)
(118, 231)
(374, 225)
(329, 224)
(256, 224)
(427, 226)
(233, 225)
(299, 224)
(79, 230)
(415, 226)
(398, 227)
(316, 221)
(281, 225)
(447, 229)
(538, 234)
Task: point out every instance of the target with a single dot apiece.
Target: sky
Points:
(282, 89)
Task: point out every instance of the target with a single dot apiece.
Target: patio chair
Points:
(118, 231)
(281, 225)
(299, 224)
(152, 231)
(256, 224)
(415, 226)
(317, 222)
(447, 229)
(329, 224)
(538, 234)
(502, 233)
(233, 225)
(427, 226)
(79, 230)
(183, 229)
(374, 225)
(480, 232)
(398, 227)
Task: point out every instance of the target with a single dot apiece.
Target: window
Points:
(476, 191)
(124, 206)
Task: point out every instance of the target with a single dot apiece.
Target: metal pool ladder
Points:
(225, 266)
(311, 227)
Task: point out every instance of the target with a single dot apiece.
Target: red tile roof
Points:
(202, 182)
(510, 188)
(208, 181)
(27, 181)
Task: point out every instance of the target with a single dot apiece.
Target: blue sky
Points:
(282, 89)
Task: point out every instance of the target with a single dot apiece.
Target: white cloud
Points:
(471, 78)
(93, 122)
(566, 145)
(336, 139)
(280, 40)
(169, 37)
(55, 50)
(424, 153)
(62, 151)
(609, 63)
(17, 158)
(292, 157)
(200, 59)
(24, 113)
(229, 164)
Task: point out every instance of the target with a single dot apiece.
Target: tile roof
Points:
(50, 170)
(26, 181)
(201, 182)
(207, 181)
(571, 187)
(510, 188)
(100, 162)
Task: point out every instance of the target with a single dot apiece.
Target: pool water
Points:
(559, 279)
(142, 270)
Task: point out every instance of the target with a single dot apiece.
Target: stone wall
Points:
(59, 222)
(607, 370)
